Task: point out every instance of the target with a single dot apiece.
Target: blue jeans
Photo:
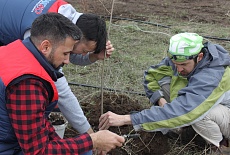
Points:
(88, 153)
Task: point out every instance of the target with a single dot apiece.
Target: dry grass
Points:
(137, 47)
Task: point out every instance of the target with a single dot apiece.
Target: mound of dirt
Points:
(148, 143)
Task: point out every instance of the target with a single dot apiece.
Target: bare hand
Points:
(90, 130)
(109, 50)
(99, 152)
(111, 119)
(162, 102)
(100, 56)
(106, 140)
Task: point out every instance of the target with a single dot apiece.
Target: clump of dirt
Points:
(118, 103)
(154, 143)
(56, 118)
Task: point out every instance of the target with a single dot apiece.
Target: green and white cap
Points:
(185, 44)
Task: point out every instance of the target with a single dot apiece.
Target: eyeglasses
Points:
(180, 58)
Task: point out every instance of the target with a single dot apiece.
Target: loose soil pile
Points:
(148, 143)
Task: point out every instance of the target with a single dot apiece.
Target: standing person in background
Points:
(189, 87)
(28, 93)
(16, 24)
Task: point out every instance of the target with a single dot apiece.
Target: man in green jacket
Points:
(190, 86)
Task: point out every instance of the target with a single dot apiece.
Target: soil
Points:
(201, 11)
(205, 11)
(56, 118)
(145, 143)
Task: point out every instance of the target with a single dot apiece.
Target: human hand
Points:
(90, 130)
(109, 49)
(105, 140)
(111, 119)
(100, 56)
(99, 152)
(162, 102)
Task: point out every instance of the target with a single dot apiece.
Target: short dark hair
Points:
(204, 50)
(55, 27)
(93, 29)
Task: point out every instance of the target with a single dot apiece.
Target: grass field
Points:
(138, 46)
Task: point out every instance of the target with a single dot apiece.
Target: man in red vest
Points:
(16, 20)
(28, 93)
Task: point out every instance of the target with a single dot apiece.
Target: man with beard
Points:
(190, 86)
(16, 19)
(28, 93)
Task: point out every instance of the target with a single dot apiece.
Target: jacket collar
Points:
(53, 73)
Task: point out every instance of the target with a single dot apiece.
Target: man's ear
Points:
(45, 47)
(200, 56)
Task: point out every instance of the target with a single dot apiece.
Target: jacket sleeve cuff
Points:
(156, 96)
